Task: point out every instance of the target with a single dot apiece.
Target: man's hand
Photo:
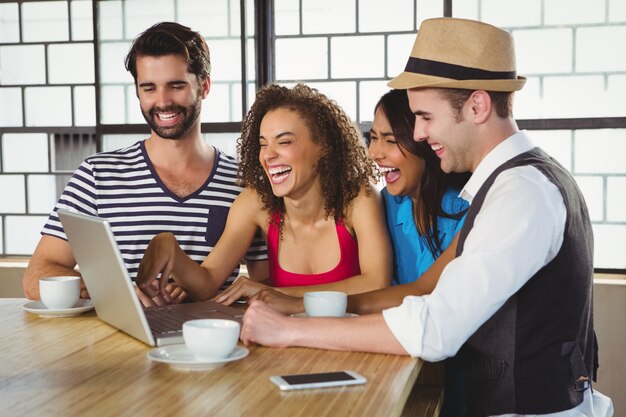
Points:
(83, 290)
(265, 326)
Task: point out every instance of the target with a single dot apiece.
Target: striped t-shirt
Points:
(123, 187)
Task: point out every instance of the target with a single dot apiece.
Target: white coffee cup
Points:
(325, 303)
(59, 292)
(210, 339)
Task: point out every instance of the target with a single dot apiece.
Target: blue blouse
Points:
(412, 256)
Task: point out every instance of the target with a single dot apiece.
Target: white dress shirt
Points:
(518, 230)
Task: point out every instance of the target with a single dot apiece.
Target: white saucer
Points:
(37, 307)
(178, 356)
(304, 315)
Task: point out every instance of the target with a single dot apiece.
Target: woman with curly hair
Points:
(422, 208)
(307, 189)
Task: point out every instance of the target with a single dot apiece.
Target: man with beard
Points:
(173, 181)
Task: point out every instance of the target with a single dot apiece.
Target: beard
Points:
(190, 116)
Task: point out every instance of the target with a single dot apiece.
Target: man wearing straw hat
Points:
(516, 302)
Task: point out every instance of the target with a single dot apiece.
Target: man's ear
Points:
(206, 86)
(479, 106)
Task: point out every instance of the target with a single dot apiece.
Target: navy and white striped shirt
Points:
(123, 187)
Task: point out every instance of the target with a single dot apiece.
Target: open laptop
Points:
(113, 293)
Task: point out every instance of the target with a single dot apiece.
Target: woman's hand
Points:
(158, 261)
(242, 287)
(252, 290)
(171, 294)
(283, 303)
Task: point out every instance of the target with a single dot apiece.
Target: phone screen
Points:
(322, 377)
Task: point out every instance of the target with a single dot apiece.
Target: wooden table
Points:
(80, 366)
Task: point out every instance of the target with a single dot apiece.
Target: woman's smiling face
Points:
(402, 169)
(288, 154)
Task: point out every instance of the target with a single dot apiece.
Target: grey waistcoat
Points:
(536, 354)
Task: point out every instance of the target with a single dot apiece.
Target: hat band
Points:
(456, 72)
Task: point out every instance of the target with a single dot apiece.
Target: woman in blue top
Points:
(423, 210)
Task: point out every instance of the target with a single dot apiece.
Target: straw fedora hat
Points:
(460, 53)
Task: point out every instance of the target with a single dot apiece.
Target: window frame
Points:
(264, 39)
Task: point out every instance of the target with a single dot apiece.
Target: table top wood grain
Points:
(80, 366)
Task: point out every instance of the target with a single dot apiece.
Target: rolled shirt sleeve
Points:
(518, 231)
(402, 321)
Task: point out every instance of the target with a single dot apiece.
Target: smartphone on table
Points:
(317, 380)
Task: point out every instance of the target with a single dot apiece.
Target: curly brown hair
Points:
(344, 167)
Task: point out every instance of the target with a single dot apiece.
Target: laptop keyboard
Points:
(165, 320)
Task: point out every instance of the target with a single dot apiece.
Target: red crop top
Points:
(347, 267)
